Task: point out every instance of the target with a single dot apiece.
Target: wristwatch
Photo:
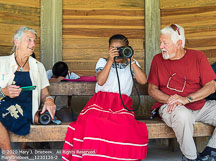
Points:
(1, 93)
(190, 99)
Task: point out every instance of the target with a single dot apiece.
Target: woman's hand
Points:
(12, 91)
(50, 106)
(113, 52)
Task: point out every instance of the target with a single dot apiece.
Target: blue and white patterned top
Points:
(111, 84)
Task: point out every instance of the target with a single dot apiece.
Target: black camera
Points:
(125, 52)
(45, 118)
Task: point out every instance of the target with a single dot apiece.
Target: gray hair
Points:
(176, 35)
(18, 35)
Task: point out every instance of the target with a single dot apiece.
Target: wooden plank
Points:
(102, 32)
(84, 72)
(152, 31)
(6, 50)
(100, 22)
(98, 4)
(89, 54)
(201, 143)
(19, 15)
(187, 10)
(10, 29)
(165, 4)
(28, 3)
(82, 88)
(51, 32)
(89, 64)
(42, 133)
(156, 129)
(136, 13)
(98, 43)
(15, 9)
(6, 40)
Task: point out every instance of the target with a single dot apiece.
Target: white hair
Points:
(175, 35)
(18, 35)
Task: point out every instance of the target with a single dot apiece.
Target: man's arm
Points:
(158, 95)
(205, 91)
(202, 93)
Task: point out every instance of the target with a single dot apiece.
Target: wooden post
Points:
(51, 32)
(152, 31)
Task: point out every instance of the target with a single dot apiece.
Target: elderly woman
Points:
(18, 107)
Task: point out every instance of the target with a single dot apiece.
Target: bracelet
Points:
(1, 93)
(49, 97)
(134, 61)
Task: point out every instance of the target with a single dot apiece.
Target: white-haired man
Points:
(179, 80)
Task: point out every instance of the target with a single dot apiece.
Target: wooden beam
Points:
(51, 32)
(152, 31)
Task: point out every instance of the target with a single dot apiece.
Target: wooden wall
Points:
(14, 14)
(199, 20)
(88, 24)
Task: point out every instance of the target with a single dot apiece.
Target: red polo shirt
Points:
(187, 74)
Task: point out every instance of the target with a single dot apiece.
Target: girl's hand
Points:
(113, 52)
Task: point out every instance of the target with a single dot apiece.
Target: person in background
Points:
(18, 107)
(58, 73)
(179, 80)
(104, 128)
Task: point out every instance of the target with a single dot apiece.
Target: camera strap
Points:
(57, 122)
(134, 86)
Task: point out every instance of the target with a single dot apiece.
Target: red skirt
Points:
(105, 131)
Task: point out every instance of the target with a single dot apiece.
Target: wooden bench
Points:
(51, 133)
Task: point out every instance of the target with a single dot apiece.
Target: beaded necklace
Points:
(21, 67)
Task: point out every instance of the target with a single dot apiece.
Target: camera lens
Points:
(45, 118)
(127, 52)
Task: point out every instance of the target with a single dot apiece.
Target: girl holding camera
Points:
(104, 127)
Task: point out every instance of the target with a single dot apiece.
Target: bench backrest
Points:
(83, 89)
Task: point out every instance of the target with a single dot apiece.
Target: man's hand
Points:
(175, 100)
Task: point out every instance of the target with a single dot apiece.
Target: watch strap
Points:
(1, 93)
(190, 99)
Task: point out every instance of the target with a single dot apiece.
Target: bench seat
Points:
(52, 133)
